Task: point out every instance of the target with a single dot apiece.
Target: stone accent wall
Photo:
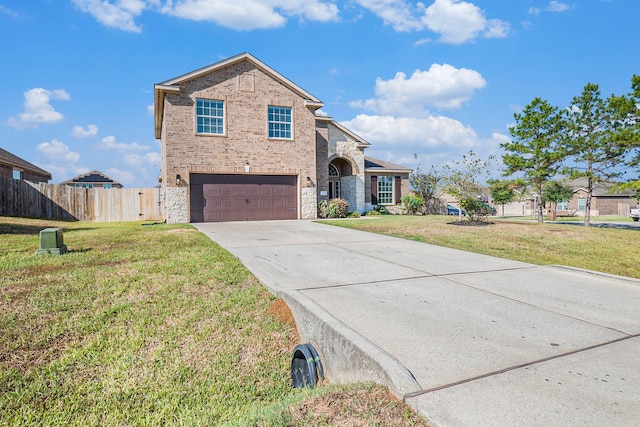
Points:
(176, 205)
(247, 92)
(309, 201)
(343, 147)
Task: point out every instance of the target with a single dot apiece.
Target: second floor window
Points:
(279, 122)
(210, 116)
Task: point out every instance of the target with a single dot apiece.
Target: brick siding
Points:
(247, 92)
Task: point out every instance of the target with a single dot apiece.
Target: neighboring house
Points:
(12, 166)
(242, 142)
(93, 179)
(604, 201)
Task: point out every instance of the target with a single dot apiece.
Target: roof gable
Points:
(362, 143)
(600, 189)
(91, 177)
(173, 85)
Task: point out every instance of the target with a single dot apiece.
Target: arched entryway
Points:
(342, 181)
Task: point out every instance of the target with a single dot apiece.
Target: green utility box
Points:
(51, 242)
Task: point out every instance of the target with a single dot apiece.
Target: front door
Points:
(334, 182)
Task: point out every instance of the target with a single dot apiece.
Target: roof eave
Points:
(362, 143)
(173, 85)
(159, 91)
(388, 170)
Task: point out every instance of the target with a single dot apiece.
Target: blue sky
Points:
(432, 78)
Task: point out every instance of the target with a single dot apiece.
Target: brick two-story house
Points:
(242, 142)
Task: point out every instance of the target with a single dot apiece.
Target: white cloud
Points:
(123, 177)
(38, 108)
(411, 134)
(109, 143)
(436, 140)
(556, 6)
(118, 15)
(401, 15)
(442, 86)
(140, 167)
(151, 109)
(80, 132)
(6, 11)
(57, 150)
(149, 159)
(459, 21)
(534, 11)
(251, 14)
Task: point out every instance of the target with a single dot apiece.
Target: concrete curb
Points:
(346, 355)
(593, 273)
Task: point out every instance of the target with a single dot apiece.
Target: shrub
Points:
(353, 215)
(372, 213)
(334, 208)
(412, 204)
(381, 209)
(477, 210)
(323, 209)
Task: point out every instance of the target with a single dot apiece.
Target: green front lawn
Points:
(606, 250)
(152, 325)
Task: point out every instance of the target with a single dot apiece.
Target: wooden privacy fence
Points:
(63, 202)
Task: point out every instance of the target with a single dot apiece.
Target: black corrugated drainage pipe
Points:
(306, 368)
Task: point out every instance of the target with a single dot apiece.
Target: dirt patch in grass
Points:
(280, 310)
(182, 230)
(370, 406)
(30, 357)
(470, 223)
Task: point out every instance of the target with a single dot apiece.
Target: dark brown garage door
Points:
(243, 197)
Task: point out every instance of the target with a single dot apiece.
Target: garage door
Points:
(243, 197)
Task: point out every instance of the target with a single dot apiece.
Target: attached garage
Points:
(219, 197)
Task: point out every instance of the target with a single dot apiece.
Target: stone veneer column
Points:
(309, 208)
(176, 204)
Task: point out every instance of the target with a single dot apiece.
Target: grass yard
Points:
(153, 325)
(600, 249)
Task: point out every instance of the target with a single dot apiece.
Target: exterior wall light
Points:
(178, 180)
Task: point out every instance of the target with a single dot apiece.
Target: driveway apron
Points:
(465, 339)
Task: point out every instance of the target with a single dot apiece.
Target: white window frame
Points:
(582, 204)
(385, 189)
(211, 117)
(563, 205)
(279, 122)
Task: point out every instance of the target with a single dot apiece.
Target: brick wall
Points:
(7, 172)
(247, 92)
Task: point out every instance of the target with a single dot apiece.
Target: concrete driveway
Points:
(465, 339)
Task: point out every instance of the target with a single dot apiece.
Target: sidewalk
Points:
(465, 339)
